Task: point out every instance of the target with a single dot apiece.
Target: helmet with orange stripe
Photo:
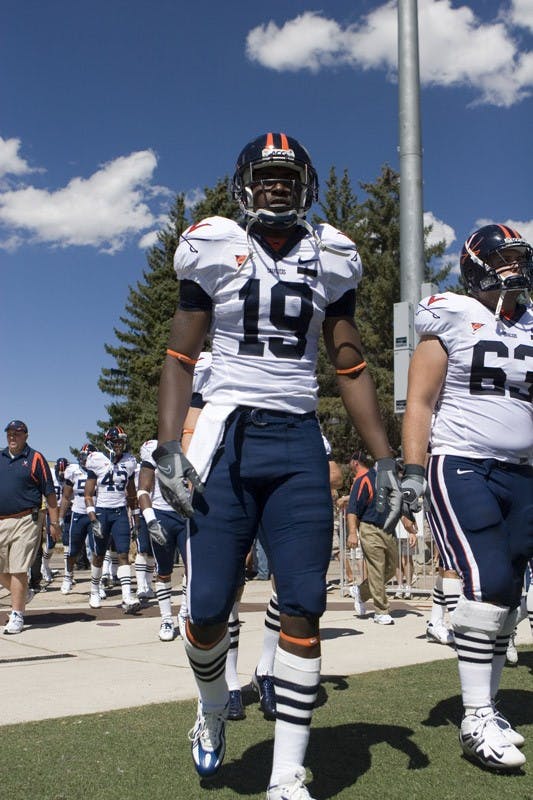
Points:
(84, 452)
(59, 469)
(497, 257)
(115, 440)
(275, 158)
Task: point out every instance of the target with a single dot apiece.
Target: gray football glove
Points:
(157, 533)
(415, 491)
(388, 494)
(173, 471)
(96, 527)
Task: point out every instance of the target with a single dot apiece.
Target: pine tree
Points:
(374, 224)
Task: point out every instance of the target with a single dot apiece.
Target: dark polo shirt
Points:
(24, 479)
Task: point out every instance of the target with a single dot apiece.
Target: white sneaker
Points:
(407, 593)
(359, 606)
(182, 622)
(101, 591)
(399, 593)
(439, 633)
(483, 741)
(46, 575)
(166, 631)
(508, 731)
(290, 787)
(66, 586)
(511, 656)
(145, 594)
(383, 619)
(131, 606)
(94, 600)
(15, 623)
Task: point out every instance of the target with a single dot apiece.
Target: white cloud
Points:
(102, 211)
(522, 13)
(148, 240)
(10, 161)
(439, 231)
(456, 48)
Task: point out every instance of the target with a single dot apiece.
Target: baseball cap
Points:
(17, 425)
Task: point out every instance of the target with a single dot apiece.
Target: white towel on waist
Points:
(207, 436)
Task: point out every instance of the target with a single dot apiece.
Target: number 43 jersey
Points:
(485, 406)
(111, 479)
(267, 312)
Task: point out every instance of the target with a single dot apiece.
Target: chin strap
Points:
(497, 313)
(261, 217)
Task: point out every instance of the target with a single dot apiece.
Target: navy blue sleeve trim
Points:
(91, 474)
(344, 306)
(147, 465)
(193, 297)
(197, 401)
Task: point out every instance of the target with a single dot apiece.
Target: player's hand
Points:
(414, 488)
(157, 533)
(96, 528)
(173, 471)
(388, 493)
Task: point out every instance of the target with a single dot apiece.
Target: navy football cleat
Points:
(208, 738)
(264, 686)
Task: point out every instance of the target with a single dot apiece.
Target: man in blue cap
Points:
(25, 478)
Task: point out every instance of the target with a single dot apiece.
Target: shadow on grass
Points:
(338, 756)
(515, 704)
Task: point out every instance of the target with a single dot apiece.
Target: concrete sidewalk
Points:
(71, 659)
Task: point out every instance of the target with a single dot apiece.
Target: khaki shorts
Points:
(19, 542)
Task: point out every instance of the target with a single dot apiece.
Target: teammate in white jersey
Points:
(469, 398)
(49, 544)
(264, 291)
(73, 499)
(113, 479)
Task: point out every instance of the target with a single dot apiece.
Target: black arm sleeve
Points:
(193, 297)
(344, 306)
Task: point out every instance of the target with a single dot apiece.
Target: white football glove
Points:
(173, 471)
(157, 533)
(388, 493)
(415, 491)
(96, 527)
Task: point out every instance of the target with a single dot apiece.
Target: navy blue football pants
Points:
(271, 470)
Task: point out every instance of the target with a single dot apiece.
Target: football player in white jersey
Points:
(113, 481)
(73, 499)
(264, 290)
(469, 398)
(58, 476)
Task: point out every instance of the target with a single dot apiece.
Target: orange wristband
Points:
(181, 357)
(351, 370)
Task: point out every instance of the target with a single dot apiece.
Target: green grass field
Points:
(390, 735)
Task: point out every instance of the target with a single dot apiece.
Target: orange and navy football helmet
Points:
(59, 469)
(484, 252)
(115, 438)
(252, 168)
(84, 452)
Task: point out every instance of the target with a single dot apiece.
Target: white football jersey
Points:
(111, 479)
(485, 406)
(58, 487)
(202, 371)
(76, 477)
(147, 450)
(267, 315)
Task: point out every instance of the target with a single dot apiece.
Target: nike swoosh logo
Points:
(307, 260)
(165, 470)
(464, 471)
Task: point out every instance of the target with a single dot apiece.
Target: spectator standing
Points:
(25, 478)
(365, 528)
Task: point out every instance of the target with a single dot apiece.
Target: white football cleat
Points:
(166, 630)
(290, 787)
(439, 633)
(483, 741)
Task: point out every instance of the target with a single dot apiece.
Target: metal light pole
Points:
(411, 208)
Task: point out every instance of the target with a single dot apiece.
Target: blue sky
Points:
(111, 108)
